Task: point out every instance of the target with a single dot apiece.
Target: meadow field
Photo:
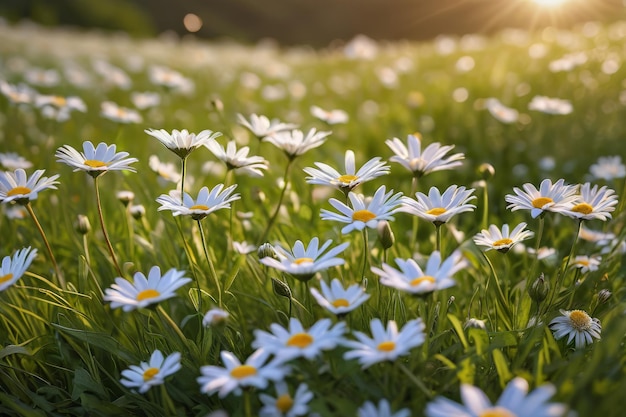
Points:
(369, 229)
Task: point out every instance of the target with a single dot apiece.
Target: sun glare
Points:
(549, 3)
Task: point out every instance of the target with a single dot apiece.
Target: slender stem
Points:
(60, 277)
(414, 219)
(270, 223)
(131, 234)
(104, 230)
(485, 206)
(530, 277)
(495, 277)
(438, 237)
(212, 269)
(622, 198)
(86, 249)
(559, 278)
(414, 378)
(172, 323)
(365, 254)
(183, 171)
(246, 403)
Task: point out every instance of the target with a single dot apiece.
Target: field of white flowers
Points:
(373, 229)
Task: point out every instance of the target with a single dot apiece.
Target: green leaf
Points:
(83, 382)
(100, 340)
(458, 328)
(480, 339)
(14, 350)
(502, 367)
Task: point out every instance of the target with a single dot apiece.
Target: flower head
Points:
(296, 341)
(208, 201)
(608, 168)
(13, 161)
(592, 203)
(327, 175)
(439, 208)
(16, 186)
(514, 401)
(255, 372)
(586, 263)
(261, 126)
(116, 113)
(182, 142)
(549, 197)
(238, 160)
(550, 105)
(295, 142)
(148, 374)
(386, 344)
(215, 317)
(332, 117)
(432, 159)
(360, 214)
(13, 268)
(503, 240)
(284, 404)
(143, 291)
(577, 326)
(338, 300)
(501, 112)
(383, 409)
(167, 171)
(95, 161)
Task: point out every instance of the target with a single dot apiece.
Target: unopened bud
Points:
(385, 234)
(604, 295)
(125, 197)
(266, 250)
(258, 196)
(217, 104)
(486, 171)
(538, 291)
(82, 224)
(137, 211)
(475, 323)
(281, 288)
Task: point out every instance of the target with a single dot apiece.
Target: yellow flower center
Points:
(436, 211)
(418, 281)
(199, 207)
(59, 101)
(497, 412)
(284, 403)
(19, 190)
(582, 262)
(243, 371)
(347, 179)
(300, 340)
(363, 216)
(387, 346)
(583, 208)
(93, 163)
(147, 294)
(299, 261)
(501, 242)
(340, 302)
(6, 278)
(541, 201)
(149, 373)
(580, 320)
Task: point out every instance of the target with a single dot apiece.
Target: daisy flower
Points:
(550, 105)
(13, 268)
(501, 112)
(60, 102)
(383, 409)
(208, 201)
(432, 159)
(144, 100)
(148, 374)
(439, 208)
(182, 142)
(303, 262)
(360, 214)
(261, 126)
(255, 372)
(145, 291)
(592, 203)
(386, 344)
(285, 405)
(338, 300)
(586, 263)
(95, 161)
(116, 113)
(13, 161)
(215, 317)
(238, 160)
(608, 168)
(244, 248)
(503, 240)
(514, 401)
(411, 278)
(295, 142)
(549, 197)
(327, 175)
(332, 117)
(167, 171)
(296, 342)
(16, 186)
(577, 326)
(17, 94)
(169, 78)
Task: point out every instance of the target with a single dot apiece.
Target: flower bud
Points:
(281, 288)
(486, 171)
(82, 224)
(266, 250)
(538, 291)
(125, 197)
(385, 234)
(137, 211)
(604, 295)
(475, 323)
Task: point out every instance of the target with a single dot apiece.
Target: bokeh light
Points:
(192, 22)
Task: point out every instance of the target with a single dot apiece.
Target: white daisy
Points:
(95, 161)
(117, 113)
(550, 105)
(549, 197)
(411, 278)
(592, 203)
(261, 126)
(170, 78)
(16, 186)
(577, 326)
(13, 268)
(332, 117)
(144, 100)
(60, 102)
(215, 317)
(303, 262)
(386, 344)
(338, 300)
(432, 159)
(383, 409)
(148, 374)
(167, 171)
(208, 201)
(235, 375)
(182, 142)
(327, 175)
(284, 404)
(13, 161)
(362, 214)
(514, 401)
(586, 263)
(296, 342)
(244, 248)
(145, 291)
(17, 94)
(238, 160)
(295, 142)
(439, 208)
(608, 168)
(503, 240)
(501, 112)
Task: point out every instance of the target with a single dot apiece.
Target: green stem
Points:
(559, 278)
(438, 237)
(60, 277)
(212, 269)
(413, 378)
(485, 207)
(365, 254)
(414, 219)
(270, 223)
(104, 231)
(531, 275)
(172, 324)
(183, 171)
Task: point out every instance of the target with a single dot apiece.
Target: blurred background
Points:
(311, 22)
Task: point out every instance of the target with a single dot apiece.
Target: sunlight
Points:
(549, 3)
